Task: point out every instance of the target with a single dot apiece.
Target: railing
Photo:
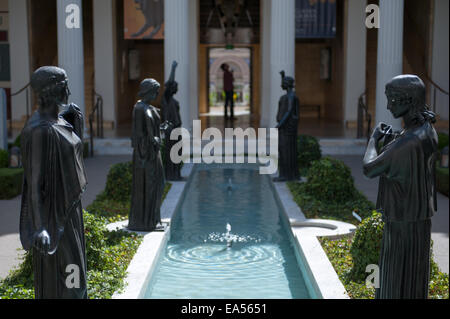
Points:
(435, 88)
(25, 89)
(363, 114)
(97, 113)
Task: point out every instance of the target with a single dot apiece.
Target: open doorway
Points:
(239, 62)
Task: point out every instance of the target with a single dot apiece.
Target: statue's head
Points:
(50, 84)
(149, 90)
(171, 87)
(405, 94)
(224, 67)
(287, 83)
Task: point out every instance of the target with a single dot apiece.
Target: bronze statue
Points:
(171, 115)
(51, 218)
(406, 193)
(153, 11)
(148, 172)
(287, 118)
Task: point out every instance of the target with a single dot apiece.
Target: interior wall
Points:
(310, 88)
(151, 60)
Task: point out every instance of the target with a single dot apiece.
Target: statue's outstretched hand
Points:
(42, 242)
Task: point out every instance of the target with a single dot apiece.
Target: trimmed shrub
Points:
(330, 180)
(4, 159)
(17, 141)
(442, 180)
(308, 149)
(365, 248)
(108, 256)
(442, 140)
(119, 182)
(11, 180)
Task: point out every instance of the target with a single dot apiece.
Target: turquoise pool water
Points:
(198, 262)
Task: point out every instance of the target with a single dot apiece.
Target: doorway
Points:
(240, 63)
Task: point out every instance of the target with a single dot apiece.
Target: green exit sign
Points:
(229, 47)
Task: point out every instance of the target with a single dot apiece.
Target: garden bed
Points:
(108, 253)
(338, 252)
(329, 193)
(11, 180)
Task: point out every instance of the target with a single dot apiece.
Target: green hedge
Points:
(442, 180)
(443, 140)
(108, 256)
(11, 180)
(365, 249)
(349, 258)
(330, 180)
(308, 150)
(329, 193)
(4, 158)
(119, 182)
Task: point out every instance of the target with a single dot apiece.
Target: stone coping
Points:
(144, 261)
(305, 232)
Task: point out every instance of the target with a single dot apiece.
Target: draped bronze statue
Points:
(148, 172)
(171, 114)
(51, 218)
(406, 194)
(287, 118)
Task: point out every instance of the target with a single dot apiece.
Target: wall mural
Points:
(143, 19)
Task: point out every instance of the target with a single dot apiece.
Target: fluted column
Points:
(19, 52)
(390, 55)
(176, 47)
(282, 50)
(105, 55)
(70, 48)
(265, 63)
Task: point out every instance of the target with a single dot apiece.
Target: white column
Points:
(3, 125)
(193, 41)
(70, 48)
(265, 63)
(390, 56)
(19, 55)
(105, 55)
(282, 50)
(355, 57)
(439, 70)
(176, 47)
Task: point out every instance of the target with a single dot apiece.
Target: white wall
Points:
(440, 55)
(105, 55)
(355, 57)
(19, 55)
